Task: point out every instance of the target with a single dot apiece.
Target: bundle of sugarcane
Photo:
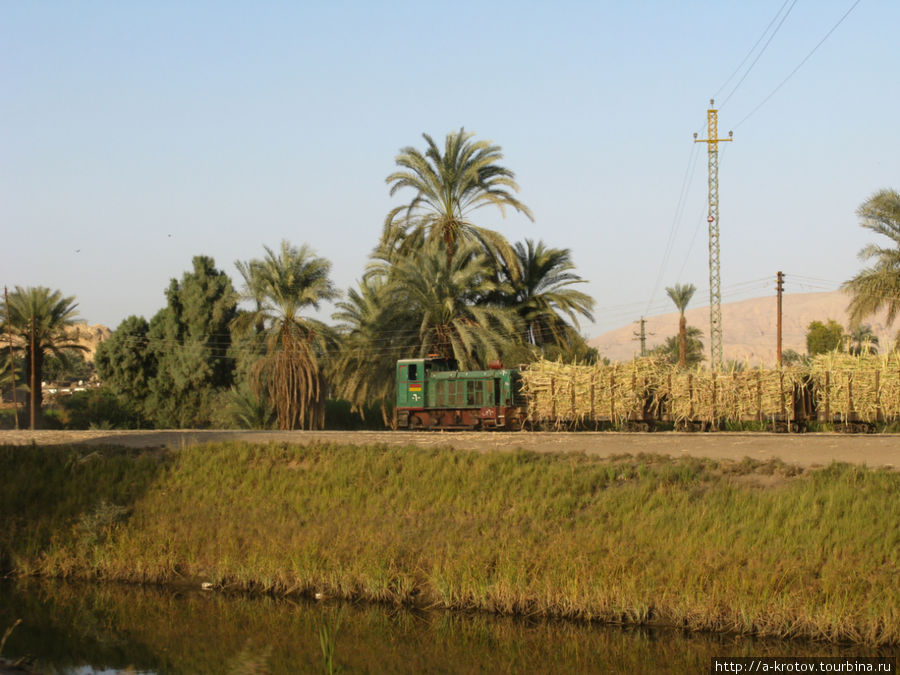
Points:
(889, 390)
(566, 394)
(852, 387)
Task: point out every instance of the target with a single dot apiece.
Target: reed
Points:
(636, 540)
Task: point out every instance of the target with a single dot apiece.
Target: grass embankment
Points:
(690, 543)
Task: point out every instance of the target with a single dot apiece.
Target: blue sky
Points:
(137, 135)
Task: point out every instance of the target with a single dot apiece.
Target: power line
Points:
(752, 49)
(762, 51)
(799, 65)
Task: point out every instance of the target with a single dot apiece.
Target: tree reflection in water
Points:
(142, 629)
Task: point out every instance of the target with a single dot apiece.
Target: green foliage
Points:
(67, 368)
(240, 408)
(822, 338)
(681, 296)
(448, 186)
(127, 364)
(878, 286)
(50, 315)
(344, 416)
(791, 357)
(97, 408)
(540, 289)
(189, 340)
(370, 343)
(437, 305)
(170, 371)
(670, 349)
(291, 372)
(862, 340)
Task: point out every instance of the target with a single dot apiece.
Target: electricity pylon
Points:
(715, 291)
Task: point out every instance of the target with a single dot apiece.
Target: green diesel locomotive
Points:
(433, 394)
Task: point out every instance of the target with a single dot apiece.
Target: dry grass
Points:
(691, 543)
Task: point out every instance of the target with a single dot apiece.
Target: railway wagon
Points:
(433, 394)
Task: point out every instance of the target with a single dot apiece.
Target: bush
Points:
(95, 408)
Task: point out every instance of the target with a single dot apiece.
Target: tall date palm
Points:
(285, 284)
(40, 318)
(681, 295)
(443, 306)
(448, 187)
(543, 293)
(878, 286)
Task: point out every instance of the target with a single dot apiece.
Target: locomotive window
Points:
(475, 393)
(412, 371)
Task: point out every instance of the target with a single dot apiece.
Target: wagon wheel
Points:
(415, 423)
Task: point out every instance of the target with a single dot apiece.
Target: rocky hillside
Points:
(90, 337)
(748, 327)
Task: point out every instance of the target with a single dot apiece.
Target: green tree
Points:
(44, 318)
(862, 340)
(371, 341)
(448, 187)
(96, 408)
(74, 368)
(878, 286)
(823, 337)
(441, 305)
(240, 408)
(126, 364)
(291, 373)
(670, 349)
(540, 289)
(190, 339)
(791, 357)
(681, 296)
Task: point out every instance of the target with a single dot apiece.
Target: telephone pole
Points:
(642, 336)
(12, 363)
(779, 286)
(715, 291)
(34, 402)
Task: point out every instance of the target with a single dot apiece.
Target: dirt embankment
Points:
(801, 449)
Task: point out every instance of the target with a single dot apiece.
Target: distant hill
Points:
(748, 327)
(90, 337)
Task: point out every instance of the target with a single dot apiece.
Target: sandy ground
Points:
(800, 449)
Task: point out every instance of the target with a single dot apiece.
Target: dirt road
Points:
(800, 449)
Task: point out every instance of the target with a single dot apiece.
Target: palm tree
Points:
(862, 340)
(878, 286)
(448, 187)
(285, 284)
(671, 348)
(681, 296)
(541, 293)
(40, 321)
(371, 340)
(441, 306)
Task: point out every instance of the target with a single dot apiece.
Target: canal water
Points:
(108, 628)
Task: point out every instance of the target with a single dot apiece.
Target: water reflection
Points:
(88, 628)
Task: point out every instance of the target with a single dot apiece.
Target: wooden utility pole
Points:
(34, 402)
(779, 286)
(12, 362)
(642, 336)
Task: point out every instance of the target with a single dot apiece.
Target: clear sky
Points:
(135, 135)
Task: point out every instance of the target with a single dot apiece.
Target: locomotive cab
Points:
(433, 394)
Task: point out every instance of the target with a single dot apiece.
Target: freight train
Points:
(432, 393)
